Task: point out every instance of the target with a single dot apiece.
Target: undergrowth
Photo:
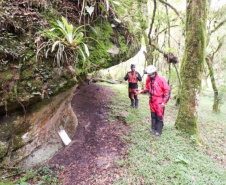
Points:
(41, 176)
(174, 157)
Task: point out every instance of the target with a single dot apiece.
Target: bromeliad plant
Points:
(66, 42)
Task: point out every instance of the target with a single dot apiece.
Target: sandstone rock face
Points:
(28, 144)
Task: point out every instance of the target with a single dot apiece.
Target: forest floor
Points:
(112, 144)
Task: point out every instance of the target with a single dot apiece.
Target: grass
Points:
(173, 158)
(212, 129)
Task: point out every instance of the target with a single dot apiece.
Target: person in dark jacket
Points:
(133, 77)
(159, 92)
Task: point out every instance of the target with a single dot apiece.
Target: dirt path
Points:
(96, 144)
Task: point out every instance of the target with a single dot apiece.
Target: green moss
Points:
(36, 83)
(34, 4)
(69, 84)
(66, 76)
(27, 74)
(9, 76)
(105, 36)
(3, 149)
(98, 51)
(122, 43)
(11, 97)
(17, 142)
(5, 76)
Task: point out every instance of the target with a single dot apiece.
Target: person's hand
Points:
(139, 92)
(163, 104)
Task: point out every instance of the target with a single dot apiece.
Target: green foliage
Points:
(43, 175)
(102, 7)
(173, 158)
(67, 40)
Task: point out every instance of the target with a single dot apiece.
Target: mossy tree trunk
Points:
(149, 34)
(149, 56)
(209, 61)
(213, 82)
(192, 65)
(179, 87)
(142, 6)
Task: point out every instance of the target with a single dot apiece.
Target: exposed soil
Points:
(90, 158)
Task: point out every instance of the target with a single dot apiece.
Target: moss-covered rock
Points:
(5, 76)
(27, 74)
(3, 148)
(108, 37)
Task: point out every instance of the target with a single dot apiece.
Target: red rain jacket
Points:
(157, 87)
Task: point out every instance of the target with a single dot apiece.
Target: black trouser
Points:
(132, 100)
(156, 122)
(135, 96)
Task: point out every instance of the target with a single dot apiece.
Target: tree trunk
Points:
(168, 25)
(149, 33)
(216, 98)
(192, 66)
(179, 87)
(149, 56)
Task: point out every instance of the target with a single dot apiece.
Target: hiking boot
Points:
(156, 134)
(151, 130)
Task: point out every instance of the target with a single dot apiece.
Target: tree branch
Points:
(174, 9)
(165, 30)
(218, 26)
(220, 44)
(157, 48)
(152, 22)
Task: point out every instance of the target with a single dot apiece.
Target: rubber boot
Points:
(132, 103)
(136, 103)
(153, 122)
(159, 128)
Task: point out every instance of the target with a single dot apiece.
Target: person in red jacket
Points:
(159, 92)
(133, 77)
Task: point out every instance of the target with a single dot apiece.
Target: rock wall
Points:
(25, 144)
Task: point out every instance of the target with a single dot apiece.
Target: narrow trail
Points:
(96, 144)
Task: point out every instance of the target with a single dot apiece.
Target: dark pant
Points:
(157, 122)
(131, 94)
